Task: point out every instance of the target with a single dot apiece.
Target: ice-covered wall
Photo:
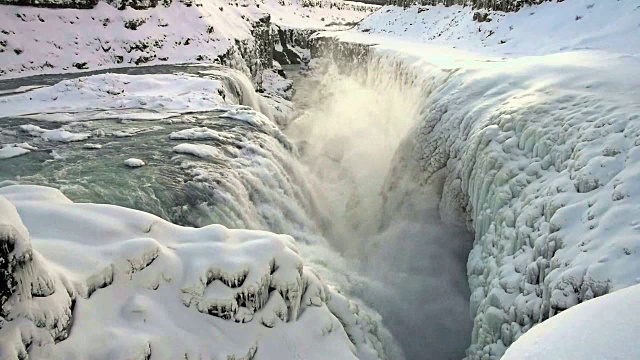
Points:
(539, 156)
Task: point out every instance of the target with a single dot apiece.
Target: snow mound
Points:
(59, 135)
(133, 162)
(585, 331)
(135, 284)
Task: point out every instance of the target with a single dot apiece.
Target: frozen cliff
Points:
(533, 136)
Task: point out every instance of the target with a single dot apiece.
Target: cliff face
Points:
(290, 45)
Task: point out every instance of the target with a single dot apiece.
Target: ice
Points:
(12, 150)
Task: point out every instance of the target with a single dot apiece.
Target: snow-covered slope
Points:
(536, 139)
(604, 328)
(138, 285)
(237, 34)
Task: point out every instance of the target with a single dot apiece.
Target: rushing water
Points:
(400, 260)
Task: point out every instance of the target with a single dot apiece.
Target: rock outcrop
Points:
(505, 5)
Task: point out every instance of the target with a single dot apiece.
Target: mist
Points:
(354, 137)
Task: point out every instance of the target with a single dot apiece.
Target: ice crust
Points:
(87, 274)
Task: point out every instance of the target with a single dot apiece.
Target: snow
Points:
(603, 328)
(199, 150)
(40, 40)
(134, 163)
(322, 14)
(156, 96)
(610, 25)
(537, 138)
(258, 121)
(12, 150)
(58, 135)
(160, 288)
(201, 133)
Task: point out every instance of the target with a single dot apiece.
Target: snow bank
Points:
(538, 147)
(586, 331)
(160, 288)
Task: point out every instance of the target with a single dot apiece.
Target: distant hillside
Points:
(501, 5)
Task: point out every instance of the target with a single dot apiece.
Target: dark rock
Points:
(481, 17)
(80, 66)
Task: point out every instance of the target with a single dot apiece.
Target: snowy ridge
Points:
(161, 289)
(536, 152)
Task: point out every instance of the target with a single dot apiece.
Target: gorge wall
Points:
(537, 172)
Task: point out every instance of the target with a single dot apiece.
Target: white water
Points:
(350, 134)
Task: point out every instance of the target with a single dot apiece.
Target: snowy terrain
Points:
(141, 286)
(40, 40)
(122, 96)
(535, 136)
